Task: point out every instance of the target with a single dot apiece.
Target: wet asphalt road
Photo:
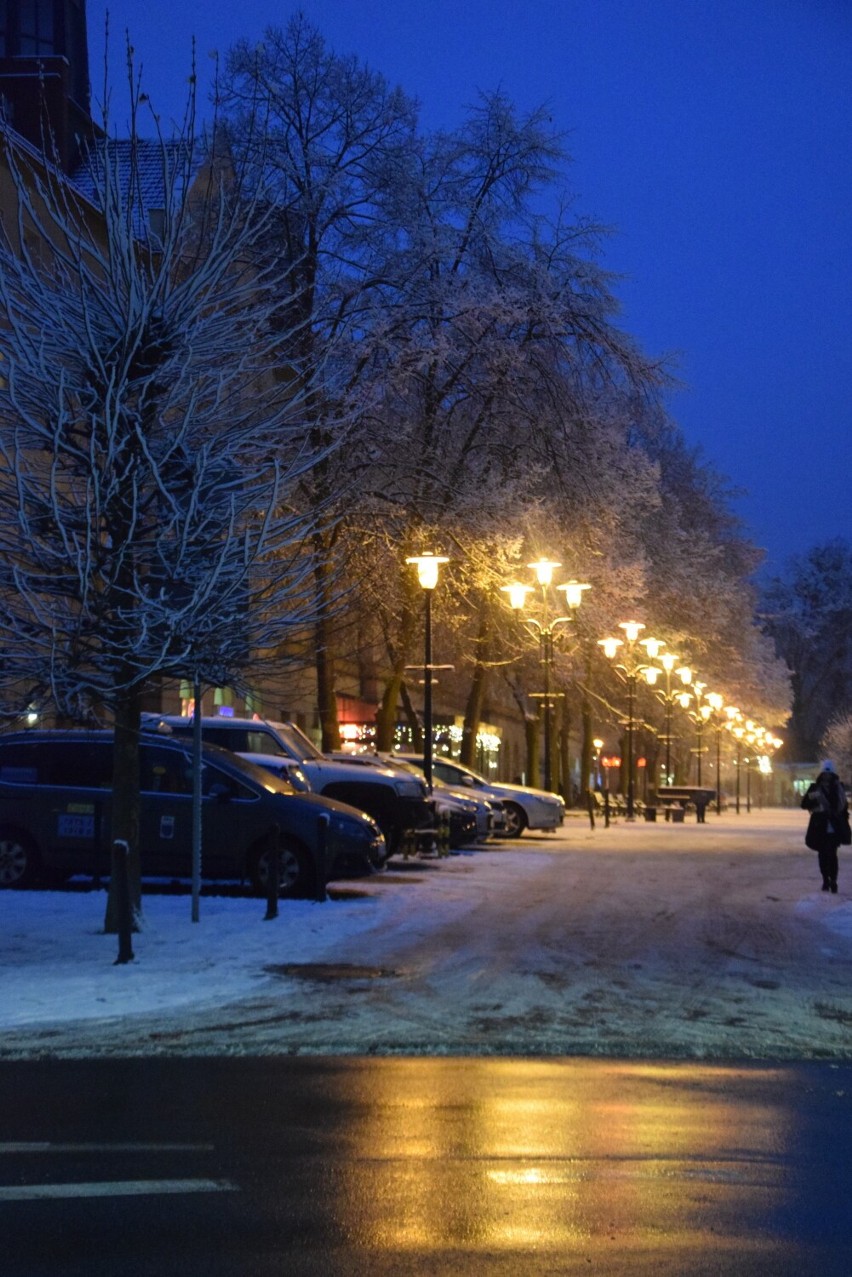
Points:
(359, 1166)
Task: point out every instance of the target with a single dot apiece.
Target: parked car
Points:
(524, 808)
(467, 816)
(488, 814)
(56, 803)
(395, 801)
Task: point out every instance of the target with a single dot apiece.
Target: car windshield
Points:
(260, 775)
(296, 740)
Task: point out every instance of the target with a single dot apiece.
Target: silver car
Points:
(524, 808)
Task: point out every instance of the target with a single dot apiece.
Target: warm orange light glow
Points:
(517, 594)
(428, 566)
(632, 629)
(574, 592)
(543, 569)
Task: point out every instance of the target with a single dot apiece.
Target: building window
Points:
(36, 33)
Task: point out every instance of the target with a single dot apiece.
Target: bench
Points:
(686, 798)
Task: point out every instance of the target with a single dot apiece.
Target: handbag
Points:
(816, 831)
(845, 830)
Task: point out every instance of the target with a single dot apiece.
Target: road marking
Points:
(43, 1147)
(116, 1188)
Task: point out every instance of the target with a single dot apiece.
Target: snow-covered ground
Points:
(709, 941)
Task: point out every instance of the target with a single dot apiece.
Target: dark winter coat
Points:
(828, 826)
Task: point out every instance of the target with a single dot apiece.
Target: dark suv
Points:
(396, 800)
(56, 800)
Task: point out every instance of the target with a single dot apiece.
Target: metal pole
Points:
(196, 798)
(700, 726)
(427, 693)
(738, 778)
(668, 731)
(631, 681)
(718, 769)
(748, 784)
(548, 767)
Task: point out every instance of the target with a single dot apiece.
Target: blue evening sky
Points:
(713, 136)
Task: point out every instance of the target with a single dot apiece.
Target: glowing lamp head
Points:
(684, 699)
(651, 674)
(715, 701)
(610, 646)
(543, 569)
(653, 646)
(517, 594)
(685, 675)
(428, 567)
(574, 592)
(668, 660)
(632, 630)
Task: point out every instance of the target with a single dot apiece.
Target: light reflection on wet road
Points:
(397, 1166)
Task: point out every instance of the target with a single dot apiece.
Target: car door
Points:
(165, 812)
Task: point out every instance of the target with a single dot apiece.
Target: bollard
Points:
(273, 872)
(590, 801)
(606, 809)
(444, 836)
(121, 869)
(321, 894)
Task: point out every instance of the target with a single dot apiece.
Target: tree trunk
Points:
(125, 807)
(386, 713)
(476, 695)
(565, 788)
(531, 726)
(325, 666)
(587, 749)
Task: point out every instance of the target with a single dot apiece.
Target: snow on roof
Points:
(158, 170)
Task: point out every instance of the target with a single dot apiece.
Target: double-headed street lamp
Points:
(545, 629)
(428, 567)
(629, 664)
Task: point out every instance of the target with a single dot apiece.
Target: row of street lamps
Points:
(632, 656)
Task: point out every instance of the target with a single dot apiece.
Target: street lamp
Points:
(739, 732)
(630, 666)
(699, 716)
(545, 629)
(716, 703)
(428, 567)
(598, 746)
(668, 660)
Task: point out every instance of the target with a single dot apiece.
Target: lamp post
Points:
(668, 660)
(545, 629)
(699, 716)
(598, 746)
(739, 733)
(428, 567)
(716, 702)
(630, 666)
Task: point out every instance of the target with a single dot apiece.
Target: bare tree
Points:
(152, 434)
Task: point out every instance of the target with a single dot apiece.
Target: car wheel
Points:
(296, 875)
(516, 820)
(19, 859)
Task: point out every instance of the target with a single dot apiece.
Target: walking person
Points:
(828, 826)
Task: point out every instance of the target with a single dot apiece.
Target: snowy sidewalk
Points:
(683, 940)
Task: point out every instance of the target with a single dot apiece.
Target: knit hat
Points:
(826, 765)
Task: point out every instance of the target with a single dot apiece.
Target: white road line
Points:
(116, 1188)
(34, 1147)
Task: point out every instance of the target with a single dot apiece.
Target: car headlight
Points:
(346, 827)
